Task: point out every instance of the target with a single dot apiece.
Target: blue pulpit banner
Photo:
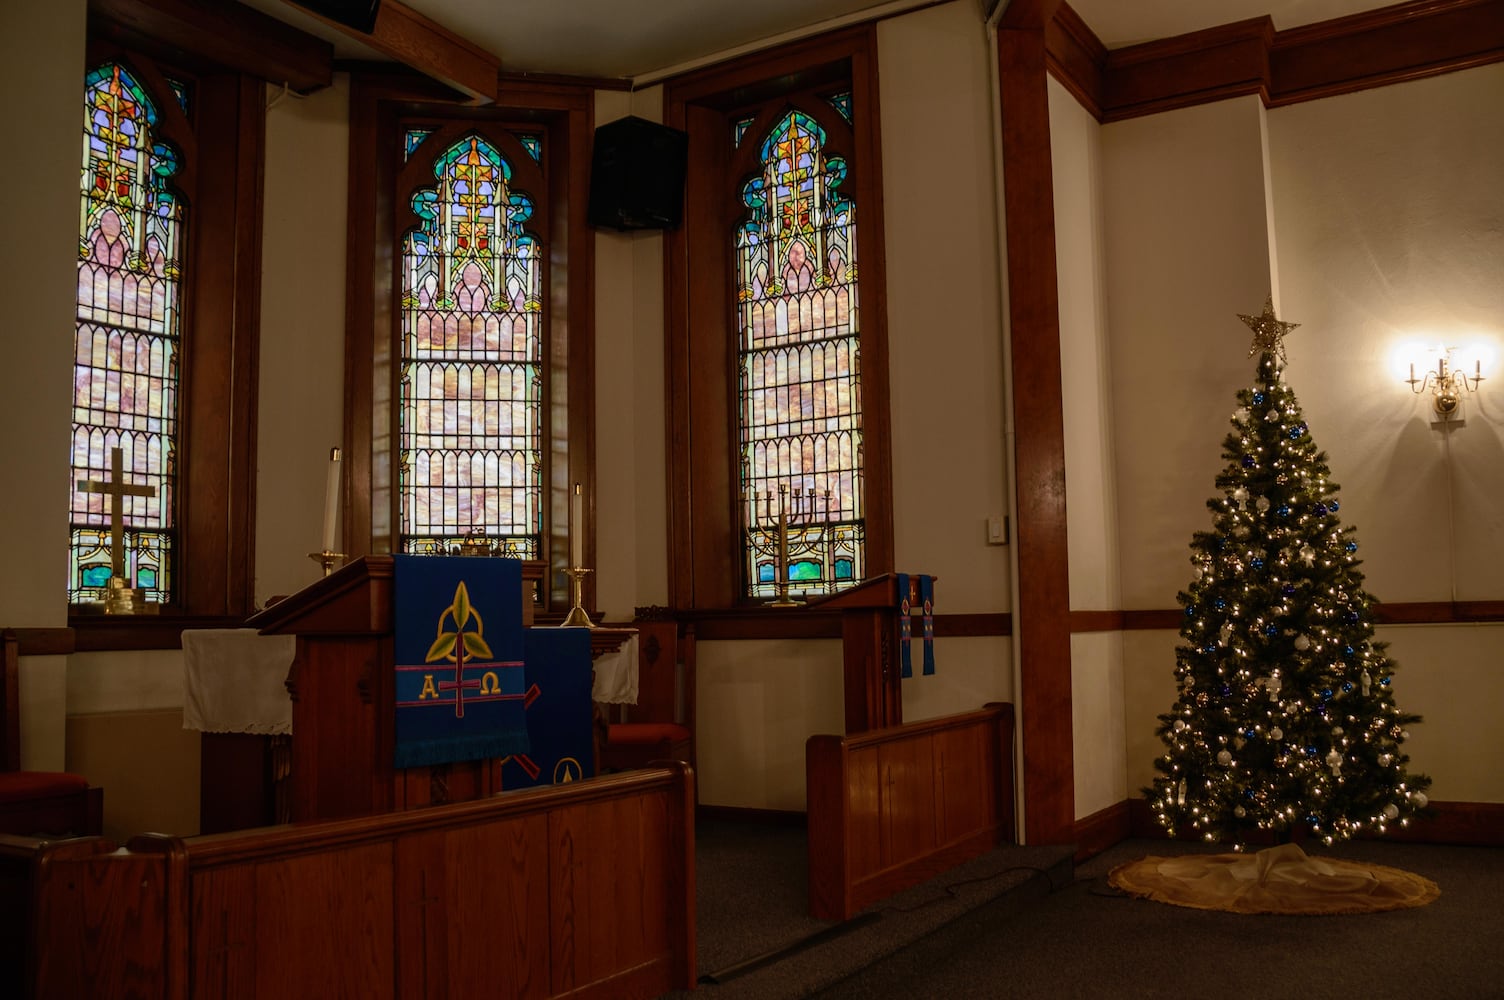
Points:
(460, 686)
(559, 725)
(915, 592)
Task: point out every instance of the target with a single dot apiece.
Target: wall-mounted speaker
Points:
(637, 175)
(357, 14)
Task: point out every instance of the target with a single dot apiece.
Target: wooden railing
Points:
(583, 890)
(892, 807)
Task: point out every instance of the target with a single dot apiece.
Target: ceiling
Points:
(641, 38)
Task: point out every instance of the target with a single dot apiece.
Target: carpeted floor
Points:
(1023, 923)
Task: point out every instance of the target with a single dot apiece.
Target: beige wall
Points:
(1387, 217)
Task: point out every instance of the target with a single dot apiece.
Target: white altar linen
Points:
(233, 681)
(615, 680)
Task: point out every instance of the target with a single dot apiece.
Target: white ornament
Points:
(1241, 496)
(1391, 811)
(1420, 800)
(1224, 758)
(1239, 812)
(1336, 730)
(1262, 503)
(1274, 684)
(1366, 681)
(1276, 733)
(1272, 415)
(1302, 643)
(1308, 555)
(1334, 761)
(1385, 758)
(1240, 414)
(1180, 726)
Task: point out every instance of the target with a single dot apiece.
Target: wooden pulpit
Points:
(869, 651)
(342, 699)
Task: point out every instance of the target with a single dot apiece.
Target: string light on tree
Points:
(1284, 714)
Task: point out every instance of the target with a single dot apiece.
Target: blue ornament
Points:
(1348, 651)
(1283, 510)
(1384, 682)
(1225, 690)
(1320, 509)
(1310, 751)
(1219, 604)
(1209, 649)
(1256, 562)
(1271, 629)
(1288, 589)
(1352, 616)
(1190, 611)
(1326, 694)
(1258, 399)
(1332, 506)
(1248, 793)
(1347, 685)
(1249, 733)
(1297, 430)
(1249, 462)
(1351, 546)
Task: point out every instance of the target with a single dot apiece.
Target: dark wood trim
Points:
(223, 142)
(1043, 598)
(232, 35)
(566, 113)
(1376, 48)
(1478, 824)
(43, 641)
(1385, 46)
(799, 623)
(427, 46)
(1096, 621)
(1414, 613)
(1103, 828)
(701, 437)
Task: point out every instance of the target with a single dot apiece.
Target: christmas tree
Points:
(1284, 716)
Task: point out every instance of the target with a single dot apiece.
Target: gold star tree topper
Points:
(1268, 332)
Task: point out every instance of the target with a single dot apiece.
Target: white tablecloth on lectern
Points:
(233, 681)
(616, 676)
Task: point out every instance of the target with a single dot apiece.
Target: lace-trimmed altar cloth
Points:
(233, 681)
(1281, 879)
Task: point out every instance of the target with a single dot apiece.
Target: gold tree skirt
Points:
(1276, 880)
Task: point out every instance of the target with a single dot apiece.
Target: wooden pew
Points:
(889, 808)
(580, 890)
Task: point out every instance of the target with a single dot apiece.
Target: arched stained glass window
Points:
(471, 379)
(127, 337)
(799, 365)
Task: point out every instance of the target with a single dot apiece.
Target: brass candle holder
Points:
(799, 512)
(577, 618)
(326, 559)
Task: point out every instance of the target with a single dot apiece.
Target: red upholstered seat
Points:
(638, 733)
(37, 802)
(18, 785)
(660, 726)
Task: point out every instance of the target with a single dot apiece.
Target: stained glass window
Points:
(471, 382)
(799, 367)
(126, 343)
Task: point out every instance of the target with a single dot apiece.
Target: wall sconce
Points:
(1446, 384)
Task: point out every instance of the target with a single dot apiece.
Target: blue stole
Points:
(458, 643)
(925, 587)
(561, 738)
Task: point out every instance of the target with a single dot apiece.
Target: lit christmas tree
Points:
(1284, 716)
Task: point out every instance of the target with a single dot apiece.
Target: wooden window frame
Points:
(213, 570)
(380, 98)
(704, 538)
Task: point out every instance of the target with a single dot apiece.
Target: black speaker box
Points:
(637, 175)
(358, 14)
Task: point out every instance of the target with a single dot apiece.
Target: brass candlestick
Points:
(577, 617)
(326, 559)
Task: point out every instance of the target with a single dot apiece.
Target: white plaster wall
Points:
(1098, 720)
(757, 702)
(630, 458)
(970, 671)
(300, 413)
(1390, 215)
(1148, 690)
(1187, 249)
(944, 322)
(1085, 362)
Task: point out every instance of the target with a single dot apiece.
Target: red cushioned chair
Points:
(661, 725)
(38, 803)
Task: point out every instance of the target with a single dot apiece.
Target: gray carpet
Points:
(1022, 923)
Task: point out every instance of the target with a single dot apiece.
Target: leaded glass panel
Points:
(799, 366)
(127, 337)
(471, 383)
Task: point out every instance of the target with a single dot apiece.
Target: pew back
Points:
(573, 890)
(889, 808)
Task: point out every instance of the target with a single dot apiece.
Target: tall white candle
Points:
(576, 527)
(331, 499)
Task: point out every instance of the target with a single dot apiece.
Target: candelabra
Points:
(770, 520)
